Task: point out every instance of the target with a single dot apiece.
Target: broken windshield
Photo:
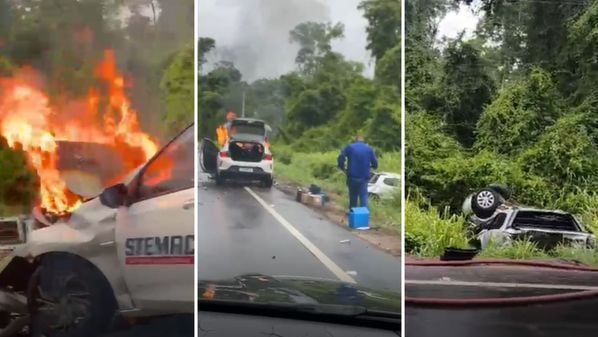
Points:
(545, 220)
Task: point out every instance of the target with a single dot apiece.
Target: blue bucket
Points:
(359, 218)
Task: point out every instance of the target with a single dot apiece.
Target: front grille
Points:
(9, 232)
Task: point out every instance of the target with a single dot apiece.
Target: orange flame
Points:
(221, 135)
(29, 122)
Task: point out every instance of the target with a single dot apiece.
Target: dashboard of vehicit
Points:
(218, 324)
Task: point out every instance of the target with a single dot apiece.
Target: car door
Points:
(209, 156)
(389, 186)
(155, 233)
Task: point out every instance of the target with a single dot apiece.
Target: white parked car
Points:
(245, 155)
(128, 252)
(384, 185)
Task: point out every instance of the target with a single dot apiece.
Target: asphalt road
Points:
(247, 229)
(575, 318)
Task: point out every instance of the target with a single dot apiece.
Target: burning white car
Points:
(245, 154)
(128, 252)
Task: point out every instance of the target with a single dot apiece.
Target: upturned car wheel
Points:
(69, 297)
(485, 202)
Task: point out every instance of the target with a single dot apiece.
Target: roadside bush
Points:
(389, 162)
(425, 144)
(323, 170)
(565, 155)
(282, 154)
(317, 139)
(519, 115)
(429, 234)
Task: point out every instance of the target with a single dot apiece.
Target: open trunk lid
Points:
(249, 127)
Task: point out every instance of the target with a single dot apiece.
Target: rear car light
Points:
(268, 157)
(223, 154)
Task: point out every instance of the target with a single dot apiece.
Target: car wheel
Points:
(69, 297)
(219, 180)
(485, 202)
(373, 196)
(268, 182)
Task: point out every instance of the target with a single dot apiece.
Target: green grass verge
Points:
(320, 168)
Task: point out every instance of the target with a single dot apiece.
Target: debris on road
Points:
(347, 241)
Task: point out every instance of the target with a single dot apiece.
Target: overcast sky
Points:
(456, 21)
(254, 34)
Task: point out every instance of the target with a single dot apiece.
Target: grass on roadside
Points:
(427, 234)
(320, 168)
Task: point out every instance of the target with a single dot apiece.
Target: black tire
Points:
(219, 180)
(74, 286)
(485, 202)
(268, 182)
(373, 196)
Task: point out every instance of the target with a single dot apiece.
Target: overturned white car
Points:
(493, 219)
(126, 253)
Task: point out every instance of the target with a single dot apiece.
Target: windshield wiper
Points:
(330, 313)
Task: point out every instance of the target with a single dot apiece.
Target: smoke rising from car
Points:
(254, 34)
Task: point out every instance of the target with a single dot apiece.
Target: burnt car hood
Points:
(264, 289)
(87, 167)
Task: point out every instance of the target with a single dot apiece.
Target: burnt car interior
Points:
(246, 151)
(545, 220)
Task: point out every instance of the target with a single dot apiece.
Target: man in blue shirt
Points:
(360, 158)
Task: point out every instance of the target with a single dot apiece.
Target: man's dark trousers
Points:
(358, 188)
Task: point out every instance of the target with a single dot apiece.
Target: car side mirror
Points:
(114, 196)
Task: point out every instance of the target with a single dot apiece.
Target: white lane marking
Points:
(326, 261)
(500, 284)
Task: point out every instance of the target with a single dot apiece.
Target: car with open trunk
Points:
(245, 154)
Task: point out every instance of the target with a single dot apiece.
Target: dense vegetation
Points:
(64, 40)
(516, 104)
(317, 108)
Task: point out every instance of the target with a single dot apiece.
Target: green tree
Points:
(519, 114)
(178, 89)
(18, 184)
(204, 46)
(463, 90)
(384, 29)
(315, 42)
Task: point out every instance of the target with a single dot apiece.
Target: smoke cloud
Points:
(254, 34)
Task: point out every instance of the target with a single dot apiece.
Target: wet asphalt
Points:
(573, 318)
(237, 235)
